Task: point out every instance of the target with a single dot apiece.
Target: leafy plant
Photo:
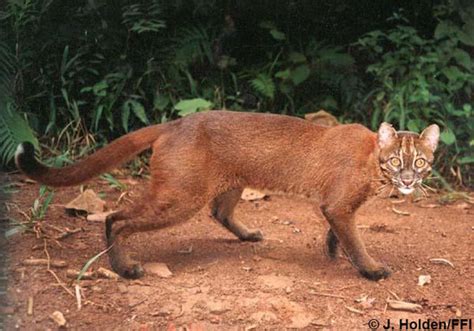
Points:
(418, 81)
(114, 182)
(14, 129)
(41, 204)
(186, 107)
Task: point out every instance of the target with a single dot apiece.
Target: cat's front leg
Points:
(343, 227)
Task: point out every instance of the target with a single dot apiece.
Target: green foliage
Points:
(418, 81)
(114, 182)
(14, 129)
(41, 204)
(186, 107)
(70, 71)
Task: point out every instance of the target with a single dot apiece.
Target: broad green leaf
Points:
(100, 89)
(189, 106)
(413, 125)
(125, 116)
(448, 137)
(284, 74)
(160, 102)
(137, 109)
(300, 74)
(139, 112)
(277, 35)
(297, 57)
(452, 73)
(462, 57)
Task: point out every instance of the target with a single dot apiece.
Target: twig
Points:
(77, 288)
(53, 273)
(67, 233)
(328, 295)
(29, 309)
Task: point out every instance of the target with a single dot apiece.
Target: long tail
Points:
(117, 152)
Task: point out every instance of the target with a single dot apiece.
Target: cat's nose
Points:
(407, 178)
(407, 181)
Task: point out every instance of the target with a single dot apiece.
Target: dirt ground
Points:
(220, 283)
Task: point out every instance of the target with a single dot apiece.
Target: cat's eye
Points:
(419, 163)
(395, 161)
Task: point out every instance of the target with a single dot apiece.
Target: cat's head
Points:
(406, 157)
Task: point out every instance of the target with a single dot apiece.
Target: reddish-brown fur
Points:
(210, 157)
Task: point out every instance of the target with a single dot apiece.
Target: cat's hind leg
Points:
(331, 244)
(168, 205)
(222, 208)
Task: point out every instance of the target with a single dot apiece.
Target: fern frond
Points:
(14, 129)
(264, 85)
(193, 45)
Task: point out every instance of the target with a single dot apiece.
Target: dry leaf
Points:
(99, 217)
(399, 212)
(365, 302)
(322, 118)
(402, 305)
(87, 202)
(442, 261)
(354, 310)
(251, 194)
(58, 317)
(423, 280)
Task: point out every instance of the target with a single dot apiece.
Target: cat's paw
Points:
(133, 271)
(378, 273)
(254, 235)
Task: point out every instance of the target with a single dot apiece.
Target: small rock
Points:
(216, 307)
(96, 288)
(214, 319)
(423, 280)
(264, 316)
(456, 311)
(252, 195)
(58, 317)
(159, 269)
(122, 288)
(288, 290)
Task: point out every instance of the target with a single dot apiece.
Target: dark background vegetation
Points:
(76, 74)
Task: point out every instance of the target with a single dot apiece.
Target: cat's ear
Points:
(386, 135)
(430, 137)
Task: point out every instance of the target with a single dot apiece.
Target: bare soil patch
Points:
(220, 283)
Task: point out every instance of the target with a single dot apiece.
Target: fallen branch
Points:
(328, 295)
(45, 262)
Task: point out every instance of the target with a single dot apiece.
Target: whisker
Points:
(391, 191)
(429, 187)
(380, 188)
(425, 194)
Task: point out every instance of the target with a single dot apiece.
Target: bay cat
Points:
(210, 157)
